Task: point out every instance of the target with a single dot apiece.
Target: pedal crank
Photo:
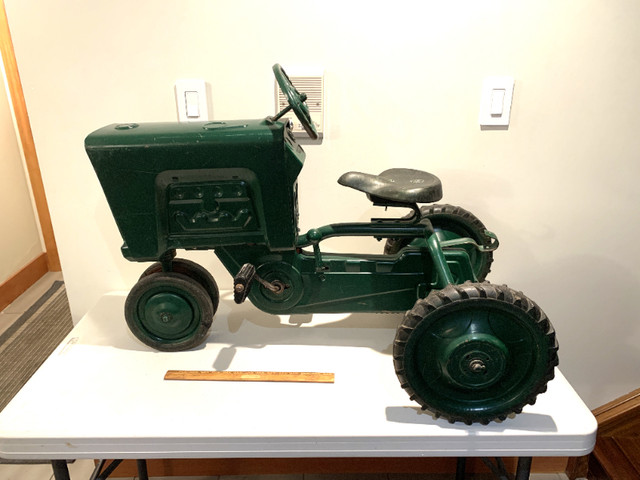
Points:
(244, 279)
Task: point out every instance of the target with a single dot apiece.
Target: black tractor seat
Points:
(396, 185)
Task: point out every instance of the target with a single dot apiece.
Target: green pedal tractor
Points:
(466, 350)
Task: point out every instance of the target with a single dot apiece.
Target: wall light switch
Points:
(495, 103)
(191, 100)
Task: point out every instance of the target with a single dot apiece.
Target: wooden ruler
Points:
(224, 376)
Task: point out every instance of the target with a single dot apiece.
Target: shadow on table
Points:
(244, 326)
(524, 421)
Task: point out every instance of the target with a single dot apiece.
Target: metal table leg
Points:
(102, 474)
(524, 468)
(142, 470)
(60, 469)
(461, 467)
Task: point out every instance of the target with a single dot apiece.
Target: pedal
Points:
(242, 282)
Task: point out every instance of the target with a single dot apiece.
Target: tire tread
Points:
(462, 292)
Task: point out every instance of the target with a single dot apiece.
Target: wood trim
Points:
(21, 281)
(629, 445)
(26, 138)
(617, 450)
(595, 472)
(612, 454)
(621, 417)
(290, 466)
(577, 467)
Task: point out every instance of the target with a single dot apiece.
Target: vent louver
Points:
(313, 86)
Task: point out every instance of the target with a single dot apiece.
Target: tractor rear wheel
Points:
(169, 311)
(475, 352)
(450, 223)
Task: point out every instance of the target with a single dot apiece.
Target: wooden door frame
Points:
(49, 261)
(26, 138)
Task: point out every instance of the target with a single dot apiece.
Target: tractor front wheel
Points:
(193, 271)
(169, 311)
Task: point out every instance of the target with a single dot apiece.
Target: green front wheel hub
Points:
(168, 315)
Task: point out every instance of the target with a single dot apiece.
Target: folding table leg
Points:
(60, 469)
(461, 466)
(524, 468)
(98, 468)
(102, 474)
(142, 470)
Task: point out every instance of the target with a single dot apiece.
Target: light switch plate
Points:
(191, 100)
(495, 102)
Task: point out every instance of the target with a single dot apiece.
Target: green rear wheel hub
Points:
(473, 361)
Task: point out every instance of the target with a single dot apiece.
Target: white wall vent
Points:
(311, 82)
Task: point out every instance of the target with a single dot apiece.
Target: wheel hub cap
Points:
(474, 361)
(167, 315)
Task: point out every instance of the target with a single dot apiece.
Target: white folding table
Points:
(101, 394)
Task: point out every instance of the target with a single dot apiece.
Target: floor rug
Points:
(26, 344)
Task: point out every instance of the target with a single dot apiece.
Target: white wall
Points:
(20, 242)
(403, 85)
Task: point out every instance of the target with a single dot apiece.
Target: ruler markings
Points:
(250, 376)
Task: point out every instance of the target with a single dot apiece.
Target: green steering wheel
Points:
(296, 101)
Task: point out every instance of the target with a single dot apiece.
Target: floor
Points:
(82, 469)
(21, 304)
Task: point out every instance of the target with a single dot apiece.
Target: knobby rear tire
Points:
(475, 352)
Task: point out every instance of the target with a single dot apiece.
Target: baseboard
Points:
(22, 280)
(618, 456)
(617, 450)
(621, 417)
(284, 466)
